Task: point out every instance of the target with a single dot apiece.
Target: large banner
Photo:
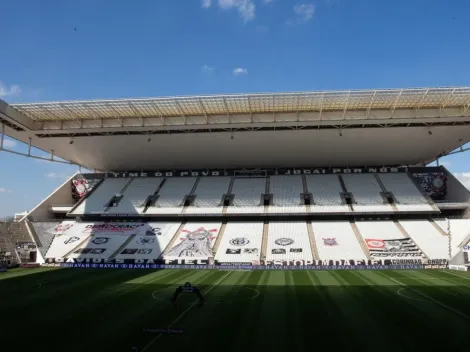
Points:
(432, 181)
(241, 172)
(395, 248)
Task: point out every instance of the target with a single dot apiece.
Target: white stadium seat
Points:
(459, 229)
(195, 241)
(172, 195)
(241, 243)
(326, 191)
(366, 192)
(336, 240)
(428, 238)
(96, 202)
(288, 241)
(286, 192)
(209, 194)
(135, 196)
(248, 193)
(408, 196)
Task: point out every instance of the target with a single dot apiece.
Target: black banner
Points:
(239, 172)
(433, 182)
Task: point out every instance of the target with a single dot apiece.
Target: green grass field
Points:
(50, 309)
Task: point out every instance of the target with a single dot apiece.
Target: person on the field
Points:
(187, 288)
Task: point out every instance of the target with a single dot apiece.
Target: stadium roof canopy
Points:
(383, 126)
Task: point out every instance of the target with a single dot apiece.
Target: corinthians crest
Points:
(239, 241)
(330, 241)
(284, 241)
(196, 243)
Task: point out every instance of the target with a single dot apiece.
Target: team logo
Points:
(154, 231)
(100, 240)
(72, 240)
(145, 240)
(438, 183)
(330, 241)
(250, 250)
(239, 241)
(284, 241)
(375, 244)
(278, 251)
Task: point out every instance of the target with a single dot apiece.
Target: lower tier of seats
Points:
(284, 242)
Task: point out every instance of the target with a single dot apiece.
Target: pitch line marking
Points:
(415, 299)
(431, 299)
(455, 274)
(257, 293)
(187, 310)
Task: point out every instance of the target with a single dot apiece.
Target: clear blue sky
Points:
(84, 49)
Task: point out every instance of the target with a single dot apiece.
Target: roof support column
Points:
(2, 135)
(29, 147)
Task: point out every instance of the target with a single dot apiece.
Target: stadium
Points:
(302, 217)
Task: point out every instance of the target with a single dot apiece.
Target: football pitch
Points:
(50, 309)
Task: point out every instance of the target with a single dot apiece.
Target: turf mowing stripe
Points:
(455, 274)
(187, 310)
(431, 299)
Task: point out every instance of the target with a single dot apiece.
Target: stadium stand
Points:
(149, 246)
(409, 197)
(366, 192)
(99, 199)
(209, 193)
(248, 195)
(288, 241)
(135, 196)
(460, 231)
(286, 191)
(428, 238)
(336, 240)
(171, 196)
(240, 243)
(46, 232)
(326, 191)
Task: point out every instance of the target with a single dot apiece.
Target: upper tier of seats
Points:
(296, 194)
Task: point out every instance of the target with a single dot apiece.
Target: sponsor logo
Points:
(233, 251)
(129, 251)
(284, 241)
(330, 242)
(145, 240)
(144, 251)
(250, 250)
(100, 240)
(71, 240)
(239, 241)
(458, 267)
(278, 251)
(295, 250)
(97, 250)
(108, 227)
